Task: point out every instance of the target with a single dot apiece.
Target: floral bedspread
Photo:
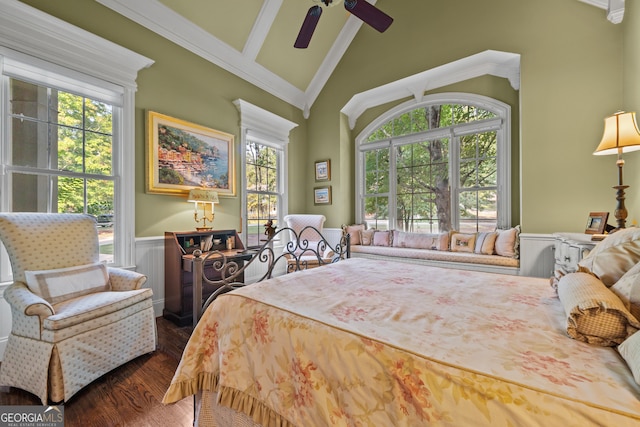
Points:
(375, 343)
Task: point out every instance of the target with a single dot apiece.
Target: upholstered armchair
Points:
(307, 247)
(73, 318)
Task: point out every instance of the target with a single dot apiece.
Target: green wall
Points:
(182, 85)
(631, 45)
(571, 78)
(576, 68)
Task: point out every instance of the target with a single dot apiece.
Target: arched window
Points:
(439, 165)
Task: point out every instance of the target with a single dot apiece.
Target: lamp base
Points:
(621, 211)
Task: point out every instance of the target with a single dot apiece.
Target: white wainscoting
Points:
(536, 255)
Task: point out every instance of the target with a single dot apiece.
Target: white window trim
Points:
(26, 32)
(269, 129)
(502, 110)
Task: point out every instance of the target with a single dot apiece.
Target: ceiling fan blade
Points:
(369, 14)
(308, 27)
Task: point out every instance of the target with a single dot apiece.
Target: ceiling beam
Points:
(261, 28)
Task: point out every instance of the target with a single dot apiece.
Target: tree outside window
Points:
(433, 168)
(61, 155)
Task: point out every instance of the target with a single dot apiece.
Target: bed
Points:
(381, 343)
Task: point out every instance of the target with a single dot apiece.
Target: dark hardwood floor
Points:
(130, 395)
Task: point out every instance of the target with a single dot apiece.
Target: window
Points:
(436, 166)
(263, 191)
(59, 155)
(67, 126)
(264, 155)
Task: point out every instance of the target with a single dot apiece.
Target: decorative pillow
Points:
(65, 283)
(463, 242)
(627, 288)
(438, 241)
(382, 238)
(630, 352)
(485, 243)
(613, 256)
(366, 237)
(508, 242)
(354, 232)
(594, 313)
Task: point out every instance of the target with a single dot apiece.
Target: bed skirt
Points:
(210, 414)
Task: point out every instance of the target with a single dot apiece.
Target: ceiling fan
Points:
(360, 8)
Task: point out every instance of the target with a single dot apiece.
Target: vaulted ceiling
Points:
(253, 39)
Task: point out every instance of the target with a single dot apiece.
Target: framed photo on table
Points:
(322, 195)
(597, 222)
(323, 170)
(182, 155)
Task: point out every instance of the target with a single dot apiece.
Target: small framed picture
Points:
(323, 170)
(597, 222)
(322, 195)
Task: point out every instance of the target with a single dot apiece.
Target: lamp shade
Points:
(203, 195)
(621, 134)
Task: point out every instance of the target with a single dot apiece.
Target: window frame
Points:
(102, 70)
(266, 128)
(501, 124)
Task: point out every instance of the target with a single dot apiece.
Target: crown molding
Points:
(259, 119)
(614, 8)
(35, 33)
(162, 20)
(489, 62)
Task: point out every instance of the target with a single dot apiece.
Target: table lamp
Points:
(621, 135)
(206, 198)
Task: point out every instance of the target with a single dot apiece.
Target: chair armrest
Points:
(125, 280)
(22, 300)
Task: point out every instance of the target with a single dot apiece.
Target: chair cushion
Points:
(66, 283)
(92, 306)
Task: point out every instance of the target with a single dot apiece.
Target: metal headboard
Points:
(300, 254)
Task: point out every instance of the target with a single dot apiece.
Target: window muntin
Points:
(377, 188)
(263, 193)
(422, 175)
(448, 169)
(60, 151)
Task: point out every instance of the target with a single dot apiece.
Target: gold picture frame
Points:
(323, 170)
(182, 155)
(597, 222)
(322, 195)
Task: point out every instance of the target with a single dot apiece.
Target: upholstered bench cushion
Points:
(93, 306)
(434, 255)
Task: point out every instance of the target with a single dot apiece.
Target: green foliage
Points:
(170, 176)
(423, 195)
(84, 131)
(262, 187)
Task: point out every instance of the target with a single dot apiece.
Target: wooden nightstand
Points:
(569, 249)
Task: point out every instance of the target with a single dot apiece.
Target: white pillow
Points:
(508, 242)
(65, 283)
(630, 352)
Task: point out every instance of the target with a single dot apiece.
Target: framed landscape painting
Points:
(183, 155)
(322, 195)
